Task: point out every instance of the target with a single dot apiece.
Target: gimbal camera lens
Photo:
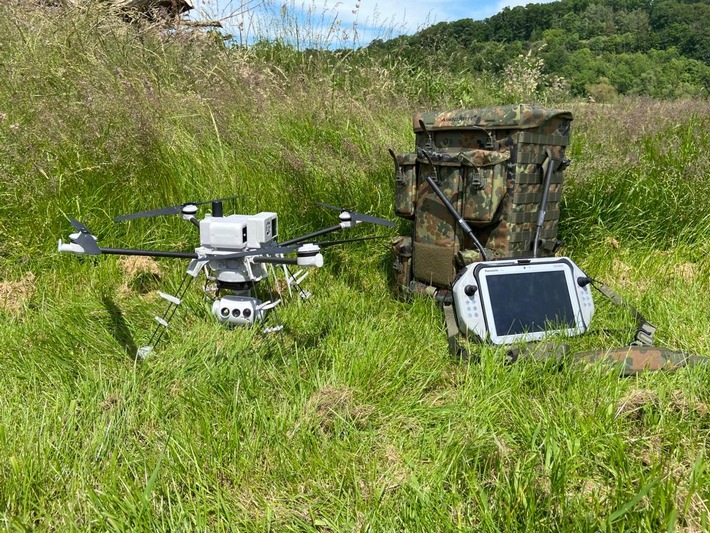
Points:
(235, 313)
(247, 313)
(224, 311)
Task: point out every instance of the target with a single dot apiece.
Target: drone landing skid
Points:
(164, 321)
(295, 280)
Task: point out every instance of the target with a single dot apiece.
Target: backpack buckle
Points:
(475, 179)
(644, 335)
(399, 178)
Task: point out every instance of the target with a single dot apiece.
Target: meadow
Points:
(356, 418)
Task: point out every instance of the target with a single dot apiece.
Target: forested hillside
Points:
(596, 47)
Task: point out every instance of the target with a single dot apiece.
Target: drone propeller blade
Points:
(170, 210)
(328, 206)
(85, 239)
(358, 217)
(373, 220)
(78, 226)
(325, 244)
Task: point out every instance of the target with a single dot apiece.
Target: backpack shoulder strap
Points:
(644, 329)
(636, 359)
(446, 303)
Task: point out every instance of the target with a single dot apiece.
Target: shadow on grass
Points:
(119, 327)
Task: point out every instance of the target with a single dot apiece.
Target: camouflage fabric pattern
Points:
(632, 360)
(514, 235)
(405, 185)
(401, 248)
(484, 185)
(490, 164)
(417, 288)
(475, 183)
(518, 117)
(466, 257)
(433, 222)
(453, 141)
(629, 360)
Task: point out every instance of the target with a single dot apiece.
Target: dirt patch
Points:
(330, 404)
(110, 403)
(685, 272)
(140, 274)
(14, 294)
(592, 491)
(636, 403)
(684, 405)
(621, 273)
(639, 401)
(612, 242)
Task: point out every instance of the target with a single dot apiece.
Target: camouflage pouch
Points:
(401, 248)
(484, 184)
(466, 257)
(405, 184)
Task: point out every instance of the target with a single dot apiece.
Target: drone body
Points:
(235, 253)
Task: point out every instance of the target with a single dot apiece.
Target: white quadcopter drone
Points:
(234, 253)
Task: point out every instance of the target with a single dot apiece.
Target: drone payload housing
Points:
(236, 232)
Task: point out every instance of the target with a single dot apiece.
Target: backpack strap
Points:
(633, 360)
(644, 329)
(446, 303)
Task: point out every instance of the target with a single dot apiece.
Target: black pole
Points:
(148, 253)
(217, 210)
(276, 260)
(542, 210)
(311, 235)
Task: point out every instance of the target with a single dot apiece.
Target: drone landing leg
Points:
(277, 328)
(168, 314)
(294, 280)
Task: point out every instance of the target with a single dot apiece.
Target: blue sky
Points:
(371, 18)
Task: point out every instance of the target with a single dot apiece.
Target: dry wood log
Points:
(152, 9)
(170, 7)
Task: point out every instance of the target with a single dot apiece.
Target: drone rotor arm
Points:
(311, 236)
(325, 244)
(148, 253)
(273, 250)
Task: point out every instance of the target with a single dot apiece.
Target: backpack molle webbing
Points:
(491, 164)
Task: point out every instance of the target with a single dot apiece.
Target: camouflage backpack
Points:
(490, 163)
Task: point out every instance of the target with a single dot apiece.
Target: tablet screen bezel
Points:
(488, 271)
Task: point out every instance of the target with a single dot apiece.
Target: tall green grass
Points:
(639, 174)
(356, 418)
